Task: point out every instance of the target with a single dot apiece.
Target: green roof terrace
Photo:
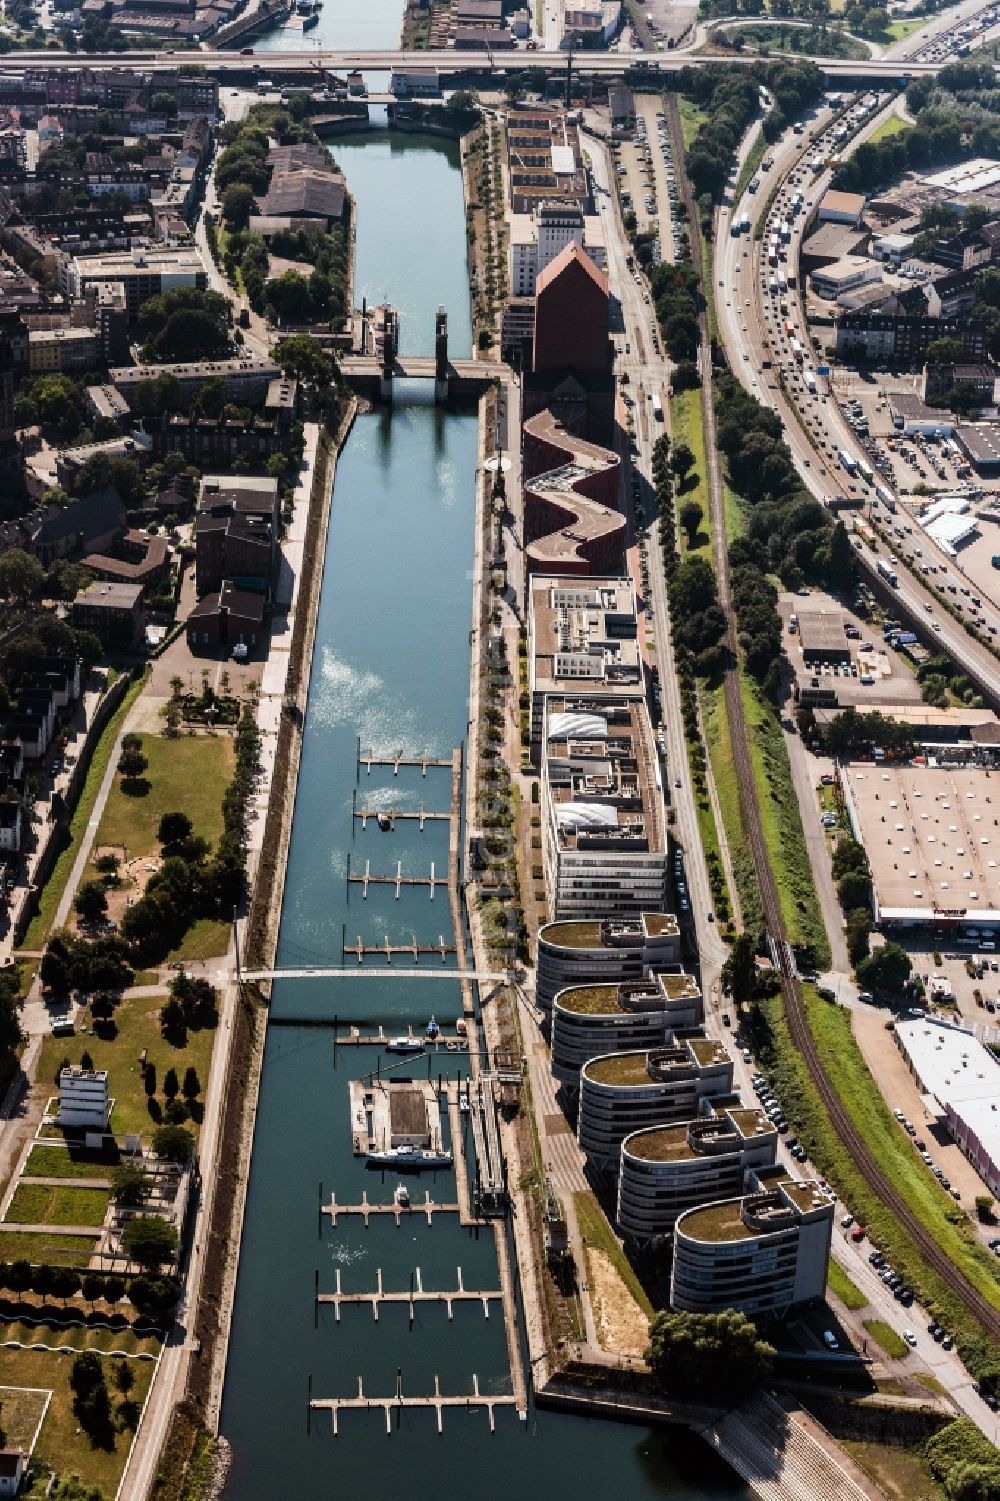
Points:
(716, 1222)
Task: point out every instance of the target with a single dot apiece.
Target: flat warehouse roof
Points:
(932, 837)
(822, 630)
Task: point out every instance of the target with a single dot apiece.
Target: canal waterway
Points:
(391, 667)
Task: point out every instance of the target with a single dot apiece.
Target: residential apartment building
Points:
(603, 827)
(667, 1170)
(603, 951)
(590, 1021)
(765, 1253)
(246, 380)
(625, 1092)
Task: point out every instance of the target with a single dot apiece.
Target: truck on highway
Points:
(657, 407)
(849, 463)
(886, 497)
(866, 472)
(798, 351)
(810, 381)
(734, 229)
(785, 232)
(888, 572)
(745, 224)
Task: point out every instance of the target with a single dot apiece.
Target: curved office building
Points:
(603, 951)
(765, 1253)
(625, 1092)
(588, 1020)
(669, 1169)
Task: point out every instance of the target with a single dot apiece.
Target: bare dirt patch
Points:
(622, 1327)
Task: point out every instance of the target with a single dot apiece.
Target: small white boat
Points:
(409, 1158)
(404, 1045)
(401, 1197)
(384, 822)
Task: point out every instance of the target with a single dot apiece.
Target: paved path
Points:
(67, 1182)
(87, 842)
(90, 1231)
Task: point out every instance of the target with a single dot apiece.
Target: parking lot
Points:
(872, 675)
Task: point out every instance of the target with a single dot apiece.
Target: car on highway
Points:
(911, 1338)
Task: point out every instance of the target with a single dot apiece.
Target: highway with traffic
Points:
(764, 330)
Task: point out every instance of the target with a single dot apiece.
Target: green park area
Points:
(51, 1204)
(50, 895)
(134, 1029)
(42, 1246)
(63, 1444)
(893, 126)
(189, 774)
(79, 1162)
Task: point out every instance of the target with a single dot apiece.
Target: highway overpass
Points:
(449, 61)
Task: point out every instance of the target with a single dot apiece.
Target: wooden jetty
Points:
(398, 1211)
(398, 880)
(336, 1405)
(385, 950)
(423, 762)
(396, 815)
(411, 1297)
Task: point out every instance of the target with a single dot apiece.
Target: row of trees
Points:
(852, 874)
(956, 117)
(153, 1297)
(788, 532)
(682, 586)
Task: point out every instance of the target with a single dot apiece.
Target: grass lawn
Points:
(945, 1221)
(58, 1250)
(51, 894)
(901, 1473)
(206, 938)
(782, 824)
(83, 1338)
(883, 1334)
(44, 1204)
(20, 1414)
(720, 755)
(189, 775)
(733, 511)
(900, 30)
(692, 119)
(596, 1231)
(56, 1162)
(137, 1020)
(894, 126)
(686, 427)
(62, 1445)
(840, 1283)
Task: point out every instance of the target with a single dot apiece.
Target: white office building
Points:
(591, 1020)
(83, 1098)
(603, 828)
(670, 1169)
(625, 1092)
(603, 951)
(765, 1253)
(536, 239)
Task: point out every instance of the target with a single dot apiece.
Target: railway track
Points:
(798, 1023)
